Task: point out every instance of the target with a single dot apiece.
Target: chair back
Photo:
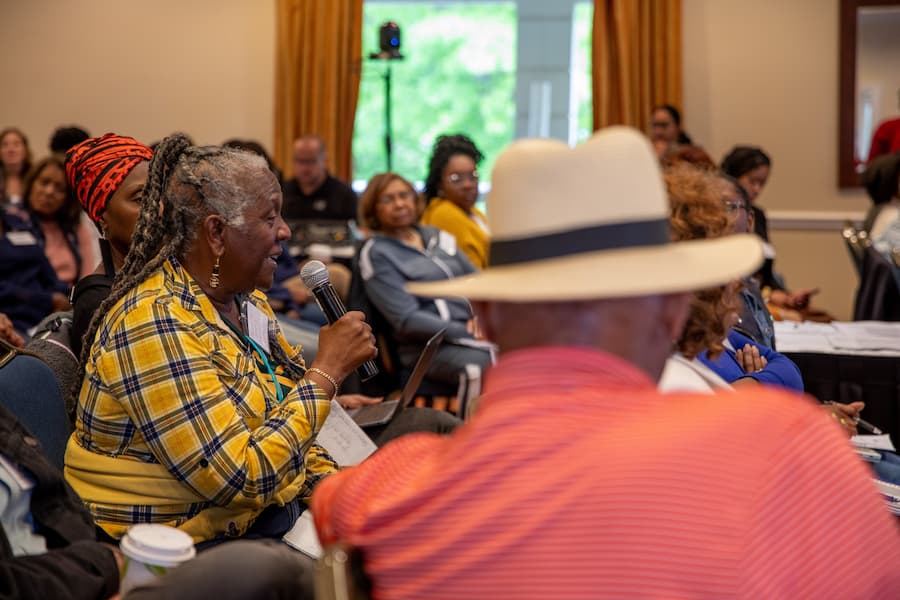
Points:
(857, 240)
(391, 375)
(878, 296)
(388, 378)
(28, 388)
(51, 342)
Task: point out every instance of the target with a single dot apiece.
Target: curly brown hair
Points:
(697, 200)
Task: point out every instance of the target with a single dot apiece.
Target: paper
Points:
(874, 442)
(258, 326)
(345, 441)
(303, 536)
(891, 495)
(861, 338)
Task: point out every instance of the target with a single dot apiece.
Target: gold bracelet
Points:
(330, 379)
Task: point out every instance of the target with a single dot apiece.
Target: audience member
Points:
(882, 182)
(194, 411)
(451, 190)
(48, 548)
(401, 251)
(56, 217)
(703, 208)
(66, 137)
(578, 479)
(15, 159)
(29, 288)
(313, 193)
(288, 295)
(665, 129)
(750, 166)
(697, 212)
(754, 319)
(107, 175)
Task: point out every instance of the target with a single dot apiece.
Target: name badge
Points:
(21, 238)
(257, 325)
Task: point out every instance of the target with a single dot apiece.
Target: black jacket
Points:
(75, 566)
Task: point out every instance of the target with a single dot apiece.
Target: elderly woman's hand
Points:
(845, 414)
(749, 359)
(344, 345)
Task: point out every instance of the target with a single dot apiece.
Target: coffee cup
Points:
(150, 551)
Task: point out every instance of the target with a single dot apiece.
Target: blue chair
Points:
(28, 388)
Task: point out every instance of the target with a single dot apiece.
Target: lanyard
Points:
(265, 359)
(262, 355)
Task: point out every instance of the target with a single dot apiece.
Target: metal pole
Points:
(387, 115)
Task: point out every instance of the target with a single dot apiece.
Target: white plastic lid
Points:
(158, 545)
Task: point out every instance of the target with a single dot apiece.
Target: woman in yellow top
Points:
(195, 411)
(451, 190)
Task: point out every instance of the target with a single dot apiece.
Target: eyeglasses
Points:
(457, 178)
(734, 206)
(404, 196)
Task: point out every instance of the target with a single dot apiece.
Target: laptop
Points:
(385, 412)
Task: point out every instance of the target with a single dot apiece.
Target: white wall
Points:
(766, 73)
(141, 68)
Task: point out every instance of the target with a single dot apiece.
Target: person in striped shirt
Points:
(576, 478)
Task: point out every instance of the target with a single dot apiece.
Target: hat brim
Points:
(638, 271)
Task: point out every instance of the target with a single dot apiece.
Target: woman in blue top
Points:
(745, 359)
(29, 288)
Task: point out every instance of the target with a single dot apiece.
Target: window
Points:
(458, 76)
(581, 112)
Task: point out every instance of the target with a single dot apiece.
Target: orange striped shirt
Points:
(577, 479)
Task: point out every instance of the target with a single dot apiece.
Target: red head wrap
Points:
(96, 168)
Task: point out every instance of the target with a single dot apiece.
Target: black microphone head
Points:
(314, 274)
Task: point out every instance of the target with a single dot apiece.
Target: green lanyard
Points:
(263, 357)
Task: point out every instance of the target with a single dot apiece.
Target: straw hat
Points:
(587, 223)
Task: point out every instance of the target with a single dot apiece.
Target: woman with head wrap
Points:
(107, 175)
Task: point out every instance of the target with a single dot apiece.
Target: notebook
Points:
(385, 412)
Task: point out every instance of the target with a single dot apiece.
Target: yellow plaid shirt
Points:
(169, 382)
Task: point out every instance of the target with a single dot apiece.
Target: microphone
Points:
(315, 276)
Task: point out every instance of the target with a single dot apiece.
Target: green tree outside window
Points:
(458, 76)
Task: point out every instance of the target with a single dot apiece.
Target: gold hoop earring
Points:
(214, 276)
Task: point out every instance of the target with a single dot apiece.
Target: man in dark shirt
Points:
(314, 193)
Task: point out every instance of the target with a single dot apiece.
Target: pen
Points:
(861, 423)
(867, 426)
